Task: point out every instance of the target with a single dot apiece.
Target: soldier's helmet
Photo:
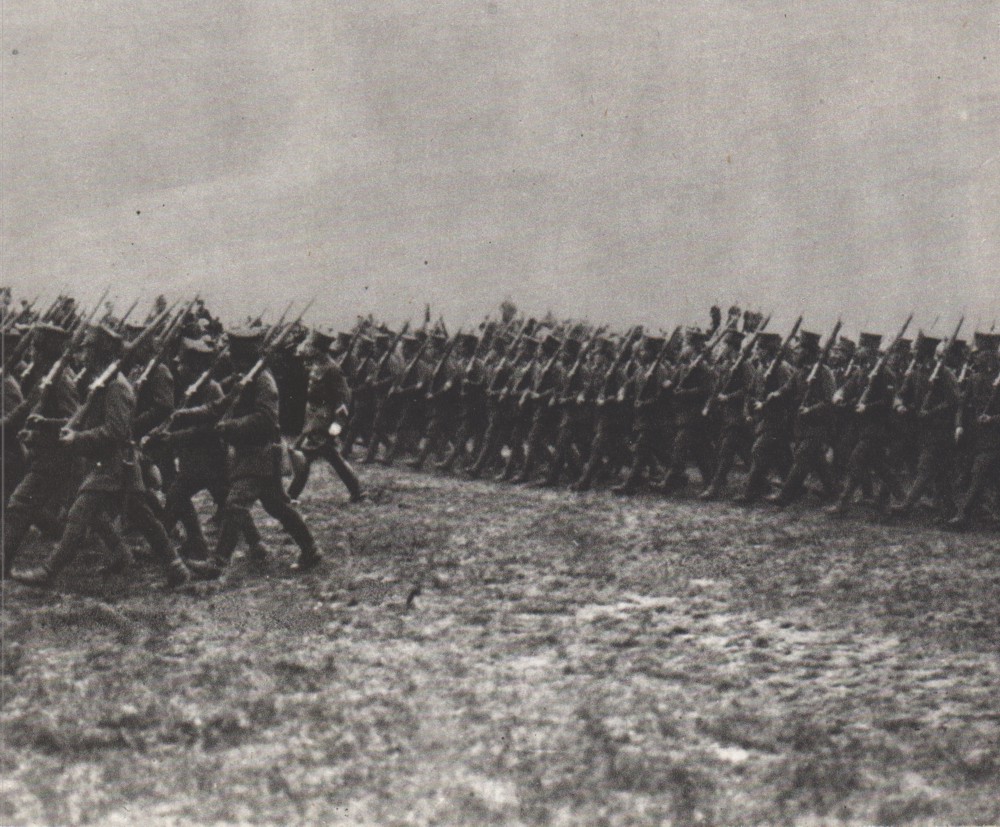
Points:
(104, 340)
(925, 347)
(809, 342)
(869, 343)
(317, 343)
(245, 341)
(734, 338)
(769, 342)
(49, 337)
(985, 342)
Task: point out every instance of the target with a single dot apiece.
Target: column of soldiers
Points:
(110, 426)
(898, 423)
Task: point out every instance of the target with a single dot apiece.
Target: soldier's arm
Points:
(262, 421)
(161, 403)
(116, 429)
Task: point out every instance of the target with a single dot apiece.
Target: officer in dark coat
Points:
(328, 400)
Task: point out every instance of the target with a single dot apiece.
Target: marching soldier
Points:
(48, 479)
(113, 483)
(328, 400)
(249, 424)
(980, 407)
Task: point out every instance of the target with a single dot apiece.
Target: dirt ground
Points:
(477, 654)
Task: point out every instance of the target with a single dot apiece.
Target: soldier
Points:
(442, 398)
(328, 402)
(388, 406)
(870, 456)
(645, 393)
(201, 454)
(103, 436)
(769, 404)
(14, 463)
(249, 425)
(930, 394)
(613, 416)
(687, 391)
(812, 403)
(365, 401)
(736, 432)
(981, 407)
(545, 416)
(470, 383)
(48, 479)
(504, 381)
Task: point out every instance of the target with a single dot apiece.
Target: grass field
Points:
(477, 654)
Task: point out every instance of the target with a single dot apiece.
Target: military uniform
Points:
(103, 437)
(328, 399)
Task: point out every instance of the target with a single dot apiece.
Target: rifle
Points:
(40, 396)
(939, 365)
(122, 364)
(622, 356)
(383, 361)
(170, 337)
(706, 351)
(735, 368)
(508, 355)
(880, 363)
(541, 379)
(410, 369)
(578, 365)
(775, 363)
(11, 320)
(271, 345)
(124, 319)
(818, 365)
(439, 368)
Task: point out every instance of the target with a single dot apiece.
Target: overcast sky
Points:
(633, 162)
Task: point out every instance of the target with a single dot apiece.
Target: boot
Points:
(308, 559)
(178, 574)
(41, 577)
(257, 554)
(210, 569)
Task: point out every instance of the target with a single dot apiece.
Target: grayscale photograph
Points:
(491, 412)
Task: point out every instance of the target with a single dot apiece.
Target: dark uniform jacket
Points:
(104, 438)
(252, 430)
(328, 392)
(200, 451)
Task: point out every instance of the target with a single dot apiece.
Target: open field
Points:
(476, 654)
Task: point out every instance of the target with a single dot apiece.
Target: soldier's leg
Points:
(518, 435)
(598, 449)
(492, 442)
(763, 458)
(152, 530)
(180, 508)
(732, 439)
(682, 450)
(277, 504)
(537, 439)
(29, 500)
(856, 473)
(331, 454)
(300, 475)
(642, 459)
(983, 473)
(79, 520)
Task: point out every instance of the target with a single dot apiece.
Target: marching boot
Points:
(41, 577)
(309, 557)
(178, 574)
